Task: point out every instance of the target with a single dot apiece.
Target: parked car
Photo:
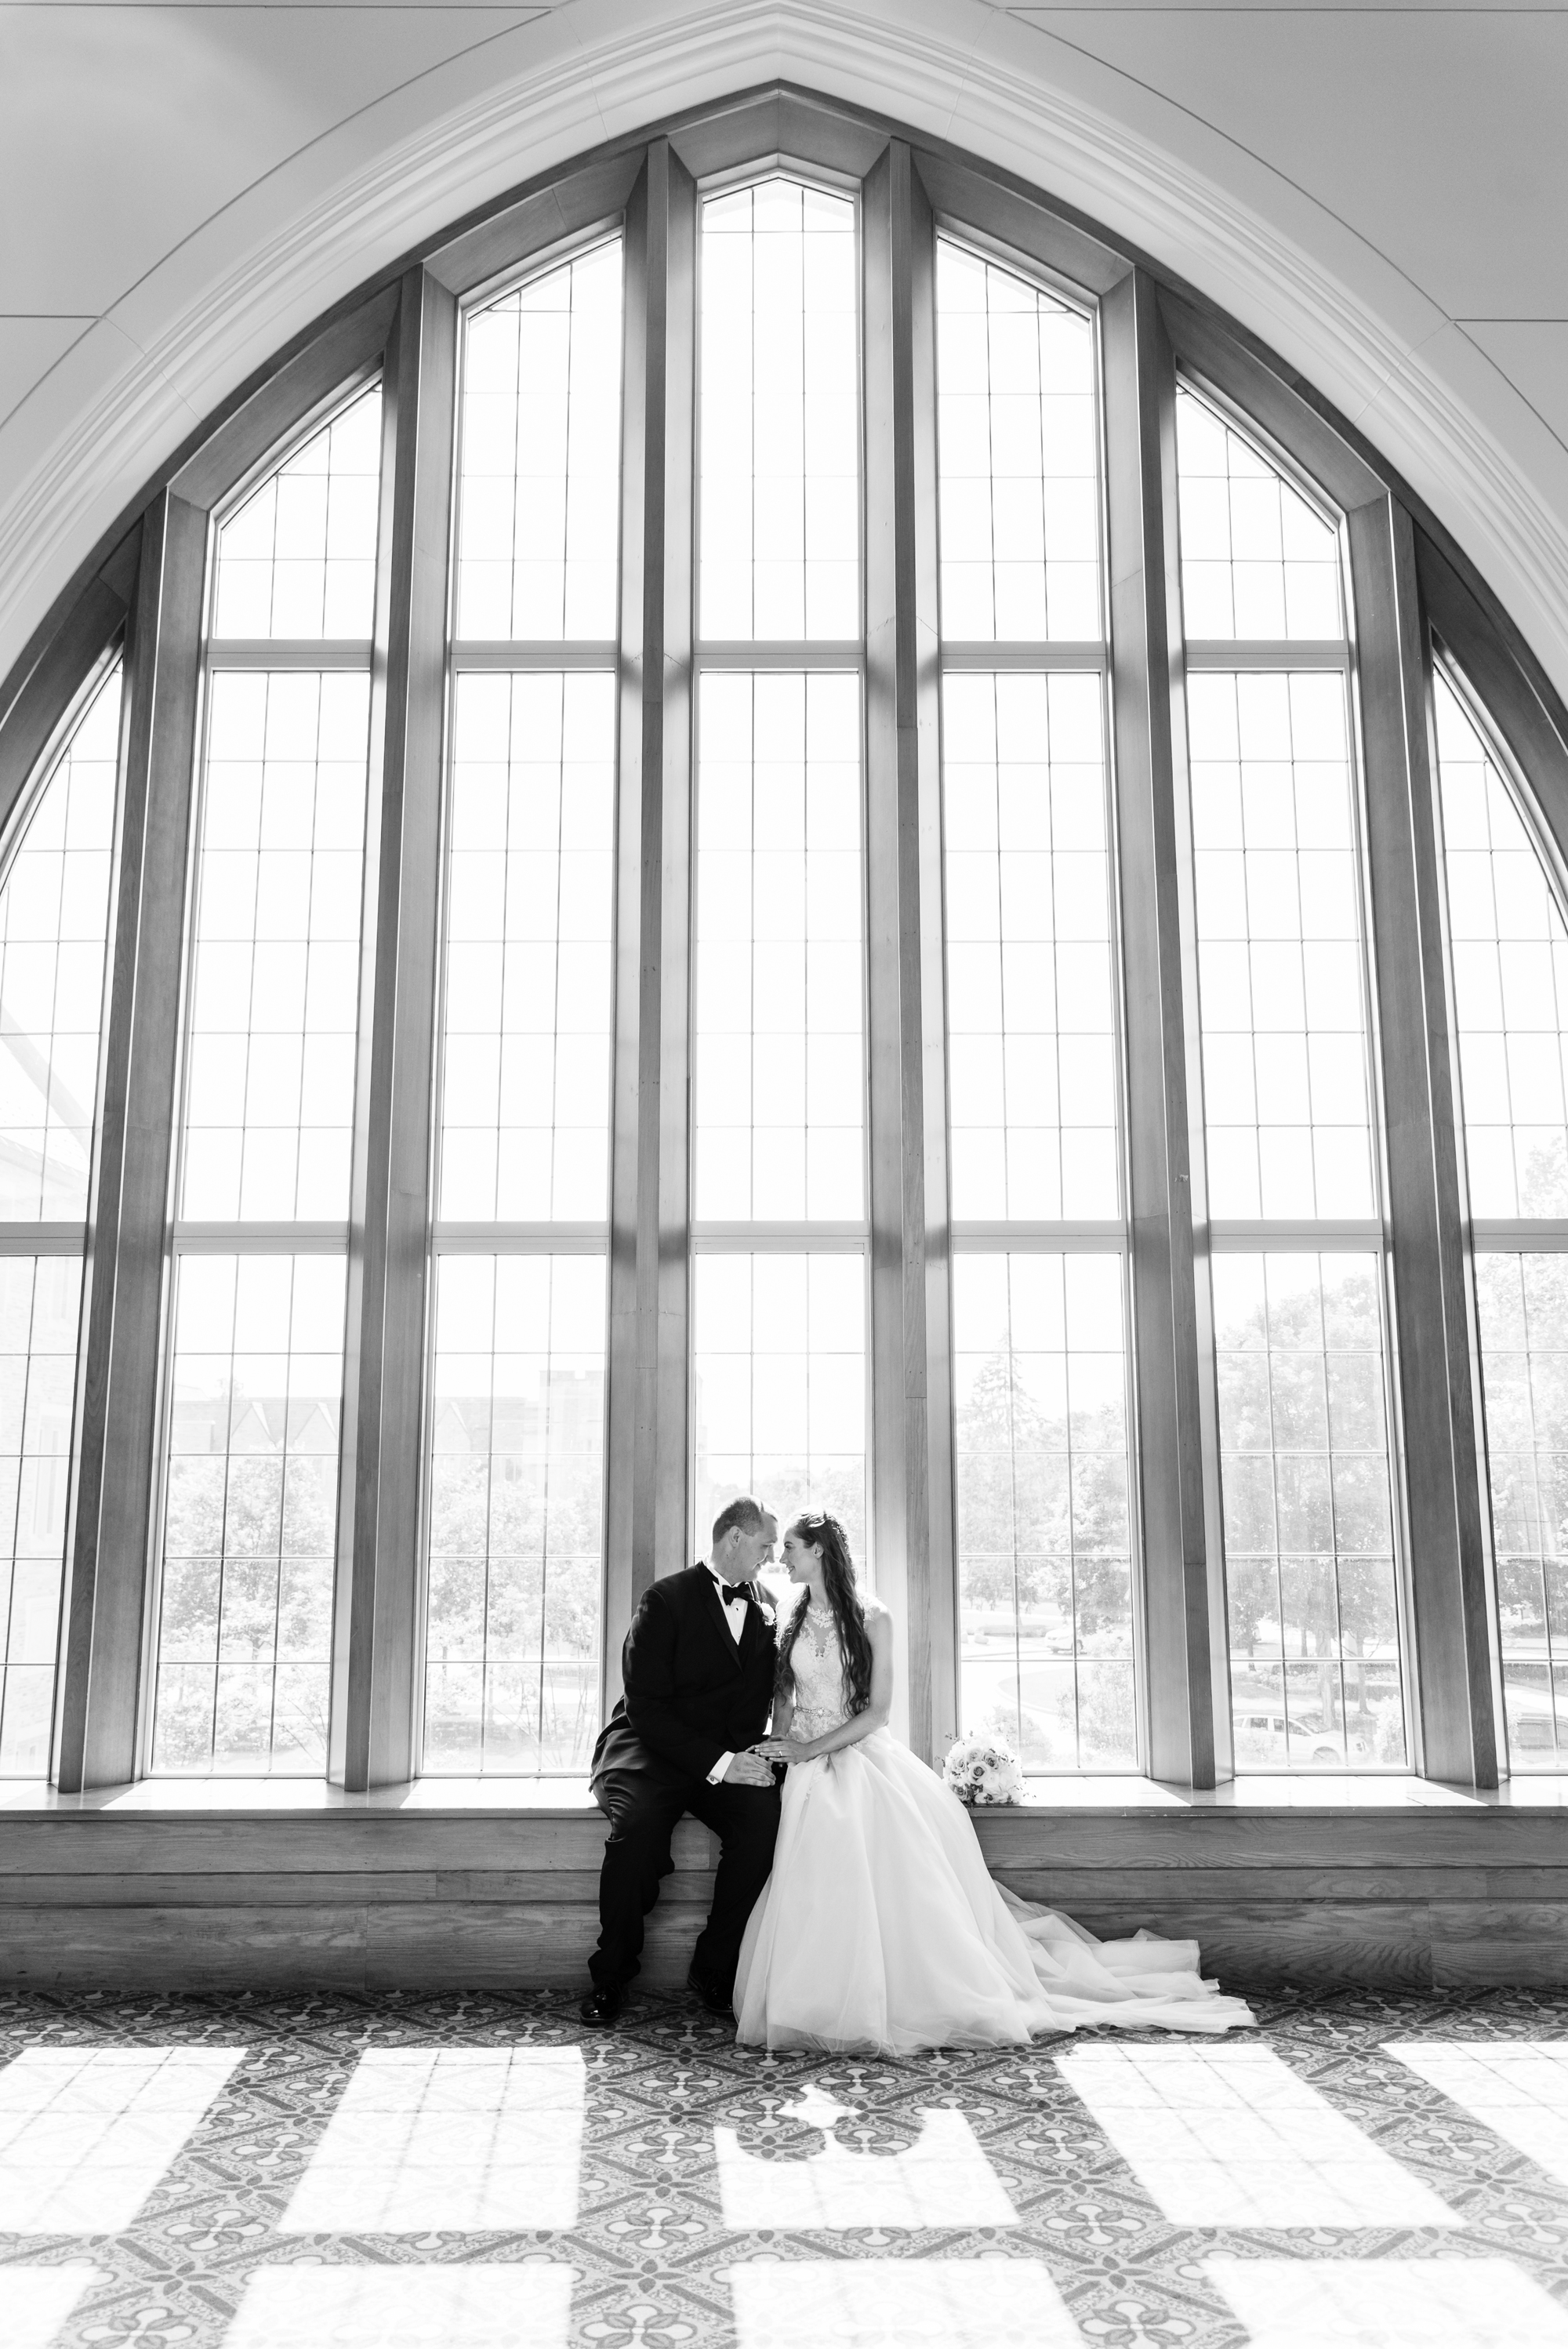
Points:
(1531, 1729)
(1259, 1718)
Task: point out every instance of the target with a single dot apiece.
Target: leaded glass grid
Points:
(268, 1098)
(1508, 948)
(252, 1425)
(250, 1515)
(1033, 1013)
(54, 925)
(1257, 560)
(54, 921)
(1309, 1552)
(515, 1388)
(778, 428)
(539, 484)
(298, 557)
(1290, 1146)
(1018, 437)
(762, 1042)
(517, 1473)
(778, 1006)
(778, 1383)
(1044, 1540)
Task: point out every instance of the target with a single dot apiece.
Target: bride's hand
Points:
(782, 1749)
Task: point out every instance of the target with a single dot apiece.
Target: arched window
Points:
(517, 1393)
(1509, 949)
(778, 1179)
(1292, 1127)
(249, 1516)
(784, 827)
(55, 886)
(1040, 1358)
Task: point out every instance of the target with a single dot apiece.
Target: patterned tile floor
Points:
(467, 2172)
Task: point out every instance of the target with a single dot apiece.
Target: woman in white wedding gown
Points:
(880, 1928)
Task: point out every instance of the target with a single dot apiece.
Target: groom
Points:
(698, 1670)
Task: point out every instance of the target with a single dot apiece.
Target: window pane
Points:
(54, 919)
(1256, 560)
(778, 1388)
(1316, 1675)
(40, 1301)
(1511, 981)
(298, 558)
(779, 1076)
(511, 1672)
(250, 1515)
(1285, 1082)
(1019, 458)
(1523, 1316)
(1045, 1564)
(525, 1096)
(539, 488)
(269, 1103)
(1033, 1083)
(779, 433)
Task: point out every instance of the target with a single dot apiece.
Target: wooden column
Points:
(1451, 1605)
(650, 1216)
(912, 1432)
(375, 1698)
(98, 1686)
(1185, 1669)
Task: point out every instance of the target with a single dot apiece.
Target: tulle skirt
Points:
(881, 1930)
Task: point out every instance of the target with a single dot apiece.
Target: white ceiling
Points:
(1382, 191)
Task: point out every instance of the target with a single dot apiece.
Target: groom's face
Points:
(752, 1551)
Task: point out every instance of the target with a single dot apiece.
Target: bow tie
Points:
(730, 1591)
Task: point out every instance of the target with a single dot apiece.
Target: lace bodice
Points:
(820, 1700)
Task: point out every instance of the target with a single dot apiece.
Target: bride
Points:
(880, 1928)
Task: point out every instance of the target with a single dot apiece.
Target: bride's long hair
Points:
(850, 1616)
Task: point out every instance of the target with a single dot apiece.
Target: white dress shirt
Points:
(735, 1616)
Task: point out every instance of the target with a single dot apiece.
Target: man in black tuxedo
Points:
(698, 1670)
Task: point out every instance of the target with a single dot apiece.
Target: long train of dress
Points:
(880, 1928)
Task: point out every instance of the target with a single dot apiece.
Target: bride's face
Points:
(802, 1560)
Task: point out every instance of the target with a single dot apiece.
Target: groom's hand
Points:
(747, 1769)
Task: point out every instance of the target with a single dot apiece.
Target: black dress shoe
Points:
(604, 2004)
(716, 2000)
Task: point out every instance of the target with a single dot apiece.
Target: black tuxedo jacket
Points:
(692, 1691)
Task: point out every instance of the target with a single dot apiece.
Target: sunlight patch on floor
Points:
(899, 2305)
(1389, 2304)
(522, 2306)
(465, 2137)
(1518, 2088)
(1230, 2137)
(86, 2134)
(944, 2179)
(37, 2302)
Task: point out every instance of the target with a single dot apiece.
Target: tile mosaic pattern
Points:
(670, 2108)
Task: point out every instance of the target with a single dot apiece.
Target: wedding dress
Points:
(880, 1928)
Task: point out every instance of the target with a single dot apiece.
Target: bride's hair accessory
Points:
(826, 1534)
(983, 1770)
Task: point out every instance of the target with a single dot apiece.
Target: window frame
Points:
(237, 1234)
(1408, 581)
(512, 656)
(805, 658)
(61, 1237)
(1317, 1236)
(1112, 1235)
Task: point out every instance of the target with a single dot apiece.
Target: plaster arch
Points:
(131, 393)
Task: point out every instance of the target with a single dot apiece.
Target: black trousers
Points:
(643, 1812)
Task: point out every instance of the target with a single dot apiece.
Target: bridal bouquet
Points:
(983, 1770)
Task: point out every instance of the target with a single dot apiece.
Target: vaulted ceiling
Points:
(1379, 192)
